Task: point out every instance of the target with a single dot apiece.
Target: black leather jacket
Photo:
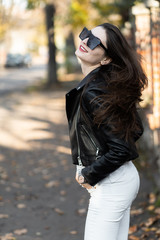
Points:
(92, 146)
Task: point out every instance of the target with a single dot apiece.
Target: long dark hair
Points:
(124, 84)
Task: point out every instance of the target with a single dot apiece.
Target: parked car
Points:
(18, 60)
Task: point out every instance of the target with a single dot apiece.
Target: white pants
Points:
(109, 205)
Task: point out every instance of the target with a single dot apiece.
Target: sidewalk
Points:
(39, 198)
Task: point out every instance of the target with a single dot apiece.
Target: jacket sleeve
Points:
(118, 150)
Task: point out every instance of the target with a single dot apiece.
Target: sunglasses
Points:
(93, 41)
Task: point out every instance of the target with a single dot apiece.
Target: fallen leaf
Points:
(143, 204)
(137, 211)
(4, 216)
(64, 162)
(152, 198)
(21, 205)
(151, 221)
(151, 208)
(20, 231)
(8, 236)
(16, 185)
(51, 184)
(1, 198)
(133, 238)
(46, 177)
(63, 192)
(133, 229)
(4, 176)
(157, 210)
(20, 198)
(73, 232)
(153, 229)
(81, 212)
(158, 232)
(81, 201)
(59, 211)
(144, 236)
(146, 229)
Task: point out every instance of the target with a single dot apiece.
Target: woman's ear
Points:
(105, 61)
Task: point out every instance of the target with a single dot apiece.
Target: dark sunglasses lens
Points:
(84, 34)
(93, 42)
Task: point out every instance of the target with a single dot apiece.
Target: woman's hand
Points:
(80, 180)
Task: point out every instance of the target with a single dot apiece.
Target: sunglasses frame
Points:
(85, 33)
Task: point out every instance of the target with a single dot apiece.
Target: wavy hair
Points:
(124, 84)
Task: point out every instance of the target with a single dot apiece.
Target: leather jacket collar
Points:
(84, 81)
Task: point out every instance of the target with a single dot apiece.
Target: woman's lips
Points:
(82, 49)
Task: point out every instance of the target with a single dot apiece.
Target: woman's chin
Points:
(78, 53)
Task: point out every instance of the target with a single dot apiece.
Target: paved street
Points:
(39, 198)
(37, 188)
(18, 78)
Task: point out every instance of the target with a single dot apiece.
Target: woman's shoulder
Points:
(97, 82)
(95, 88)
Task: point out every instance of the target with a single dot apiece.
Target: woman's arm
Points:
(119, 151)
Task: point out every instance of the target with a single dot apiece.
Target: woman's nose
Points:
(85, 40)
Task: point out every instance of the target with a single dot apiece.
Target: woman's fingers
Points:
(87, 186)
(78, 179)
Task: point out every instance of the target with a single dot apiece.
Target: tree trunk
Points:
(52, 66)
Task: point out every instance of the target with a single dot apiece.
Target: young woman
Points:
(104, 125)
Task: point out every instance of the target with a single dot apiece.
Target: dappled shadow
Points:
(37, 175)
(39, 195)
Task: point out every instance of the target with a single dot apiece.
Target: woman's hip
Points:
(119, 188)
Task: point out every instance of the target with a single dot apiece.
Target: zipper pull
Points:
(79, 161)
(97, 152)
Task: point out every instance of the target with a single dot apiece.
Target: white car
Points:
(18, 60)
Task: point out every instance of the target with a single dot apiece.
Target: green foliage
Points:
(79, 12)
(105, 9)
(31, 4)
(121, 7)
(96, 11)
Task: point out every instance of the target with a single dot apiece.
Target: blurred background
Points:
(38, 39)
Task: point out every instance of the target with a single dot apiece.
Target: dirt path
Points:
(39, 199)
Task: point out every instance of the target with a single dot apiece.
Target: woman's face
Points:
(92, 57)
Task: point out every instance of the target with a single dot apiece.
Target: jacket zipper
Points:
(78, 145)
(93, 142)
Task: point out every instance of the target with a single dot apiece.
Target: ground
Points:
(39, 198)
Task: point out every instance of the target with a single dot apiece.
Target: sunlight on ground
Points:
(1, 158)
(29, 118)
(63, 149)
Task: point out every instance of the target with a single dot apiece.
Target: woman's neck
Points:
(87, 69)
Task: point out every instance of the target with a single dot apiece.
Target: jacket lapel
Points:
(73, 96)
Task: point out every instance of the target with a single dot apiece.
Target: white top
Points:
(79, 169)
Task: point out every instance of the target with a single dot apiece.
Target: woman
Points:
(104, 125)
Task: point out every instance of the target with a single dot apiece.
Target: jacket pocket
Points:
(89, 142)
